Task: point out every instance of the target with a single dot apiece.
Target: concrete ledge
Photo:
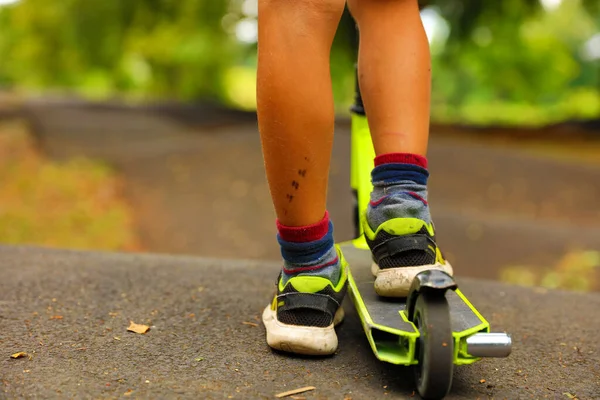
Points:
(70, 310)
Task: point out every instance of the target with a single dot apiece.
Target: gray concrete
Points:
(199, 346)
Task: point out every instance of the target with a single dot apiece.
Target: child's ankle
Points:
(309, 250)
(399, 189)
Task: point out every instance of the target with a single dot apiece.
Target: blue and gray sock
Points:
(309, 250)
(399, 189)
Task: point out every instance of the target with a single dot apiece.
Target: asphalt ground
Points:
(69, 311)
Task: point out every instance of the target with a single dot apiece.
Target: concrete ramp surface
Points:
(69, 311)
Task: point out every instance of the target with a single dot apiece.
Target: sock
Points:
(309, 250)
(399, 188)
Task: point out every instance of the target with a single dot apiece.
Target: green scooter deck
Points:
(390, 333)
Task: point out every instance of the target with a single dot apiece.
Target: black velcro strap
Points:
(313, 301)
(401, 244)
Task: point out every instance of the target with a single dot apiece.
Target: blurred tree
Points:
(163, 47)
(515, 61)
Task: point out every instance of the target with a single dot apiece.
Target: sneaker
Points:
(402, 248)
(303, 315)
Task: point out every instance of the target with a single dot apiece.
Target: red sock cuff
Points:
(308, 233)
(403, 158)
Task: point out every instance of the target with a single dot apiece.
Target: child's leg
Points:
(394, 77)
(394, 73)
(295, 103)
(296, 119)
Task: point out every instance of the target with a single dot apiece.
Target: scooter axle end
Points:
(489, 345)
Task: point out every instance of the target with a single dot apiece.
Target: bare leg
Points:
(296, 118)
(394, 77)
(295, 103)
(394, 74)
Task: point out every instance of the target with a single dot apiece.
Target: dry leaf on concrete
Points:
(137, 328)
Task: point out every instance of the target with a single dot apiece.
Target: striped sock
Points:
(309, 250)
(399, 189)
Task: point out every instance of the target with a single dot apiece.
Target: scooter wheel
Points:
(435, 346)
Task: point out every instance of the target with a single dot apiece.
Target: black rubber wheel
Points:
(435, 346)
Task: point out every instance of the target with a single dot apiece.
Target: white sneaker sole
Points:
(307, 340)
(396, 282)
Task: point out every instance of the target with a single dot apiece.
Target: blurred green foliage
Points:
(513, 61)
(159, 47)
(519, 64)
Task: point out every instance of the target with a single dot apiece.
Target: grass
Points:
(74, 204)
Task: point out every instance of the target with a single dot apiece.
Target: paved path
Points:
(201, 189)
(70, 311)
